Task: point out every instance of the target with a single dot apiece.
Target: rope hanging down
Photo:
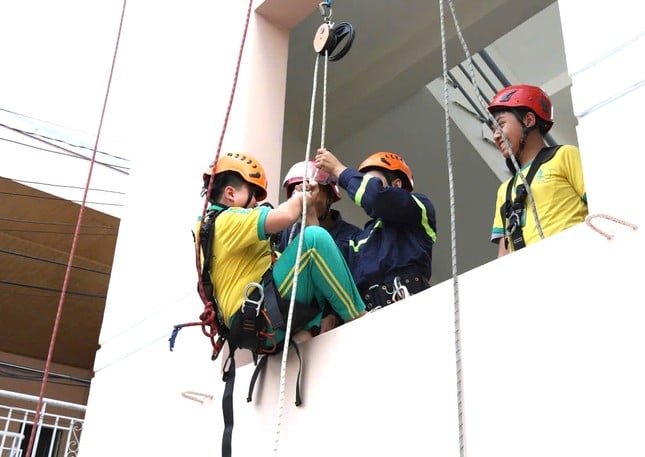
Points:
(72, 252)
(327, 38)
(453, 237)
(208, 318)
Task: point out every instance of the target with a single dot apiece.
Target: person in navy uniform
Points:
(391, 257)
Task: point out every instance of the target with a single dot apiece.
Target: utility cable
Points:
(26, 221)
(66, 153)
(46, 197)
(76, 154)
(42, 259)
(39, 183)
(59, 312)
(59, 139)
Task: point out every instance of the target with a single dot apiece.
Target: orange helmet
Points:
(297, 172)
(389, 161)
(243, 164)
(524, 96)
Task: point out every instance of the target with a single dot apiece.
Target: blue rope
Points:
(173, 336)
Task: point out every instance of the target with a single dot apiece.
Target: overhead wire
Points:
(88, 148)
(40, 183)
(76, 154)
(36, 375)
(37, 414)
(65, 153)
(54, 262)
(27, 221)
(52, 289)
(45, 197)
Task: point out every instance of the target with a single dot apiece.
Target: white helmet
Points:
(298, 171)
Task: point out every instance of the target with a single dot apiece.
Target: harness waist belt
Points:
(379, 295)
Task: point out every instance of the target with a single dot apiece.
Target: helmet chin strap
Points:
(525, 134)
(250, 197)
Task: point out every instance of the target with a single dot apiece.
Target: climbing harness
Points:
(512, 210)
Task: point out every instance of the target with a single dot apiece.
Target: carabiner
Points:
(325, 10)
(400, 291)
(249, 300)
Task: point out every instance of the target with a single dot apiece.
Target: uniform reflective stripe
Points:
(424, 220)
(358, 197)
(357, 245)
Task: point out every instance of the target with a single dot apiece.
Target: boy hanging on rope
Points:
(391, 257)
(524, 114)
(241, 254)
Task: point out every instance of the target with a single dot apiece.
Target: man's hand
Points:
(327, 161)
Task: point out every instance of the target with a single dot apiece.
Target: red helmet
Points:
(299, 170)
(524, 96)
(245, 165)
(389, 161)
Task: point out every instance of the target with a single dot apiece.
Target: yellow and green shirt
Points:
(558, 189)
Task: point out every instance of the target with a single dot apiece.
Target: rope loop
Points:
(609, 236)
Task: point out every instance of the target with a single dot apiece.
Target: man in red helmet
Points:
(392, 256)
(240, 263)
(554, 174)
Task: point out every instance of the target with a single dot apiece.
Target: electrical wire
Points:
(59, 139)
(93, 189)
(36, 375)
(26, 221)
(114, 167)
(52, 289)
(66, 153)
(42, 259)
(44, 197)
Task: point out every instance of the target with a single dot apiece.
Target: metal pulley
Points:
(330, 36)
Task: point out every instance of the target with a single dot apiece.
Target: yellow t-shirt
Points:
(241, 254)
(558, 189)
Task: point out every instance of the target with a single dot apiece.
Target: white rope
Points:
(324, 104)
(483, 104)
(294, 288)
(453, 240)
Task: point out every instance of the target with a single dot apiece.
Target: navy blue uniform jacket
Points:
(399, 237)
